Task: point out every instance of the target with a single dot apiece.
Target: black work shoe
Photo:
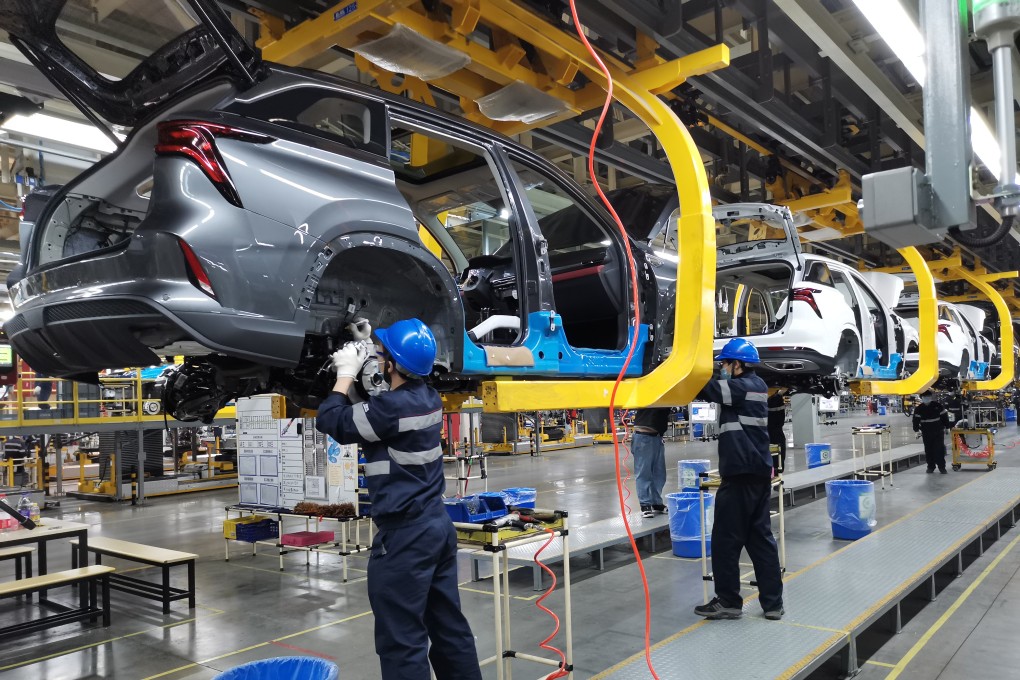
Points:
(661, 509)
(646, 511)
(943, 471)
(775, 614)
(930, 471)
(717, 610)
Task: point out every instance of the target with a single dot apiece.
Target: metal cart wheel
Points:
(992, 466)
(957, 466)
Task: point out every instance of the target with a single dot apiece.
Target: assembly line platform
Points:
(833, 601)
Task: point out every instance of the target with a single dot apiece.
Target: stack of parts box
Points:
(303, 539)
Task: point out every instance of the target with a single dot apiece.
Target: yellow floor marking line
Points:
(657, 645)
(103, 642)
(883, 664)
(674, 558)
(943, 557)
(789, 576)
(807, 658)
(257, 646)
(876, 531)
(935, 627)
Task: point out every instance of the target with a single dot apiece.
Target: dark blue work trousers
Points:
(412, 586)
(742, 521)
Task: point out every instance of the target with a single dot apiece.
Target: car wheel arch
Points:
(391, 267)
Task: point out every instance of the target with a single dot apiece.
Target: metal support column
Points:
(140, 474)
(947, 112)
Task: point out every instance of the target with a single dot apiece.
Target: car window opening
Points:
(588, 283)
(462, 204)
(752, 300)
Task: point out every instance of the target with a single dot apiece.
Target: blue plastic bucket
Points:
(818, 454)
(685, 523)
(284, 668)
(698, 430)
(687, 473)
(881, 409)
(851, 508)
(1010, 413)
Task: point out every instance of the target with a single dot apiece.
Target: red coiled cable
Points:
(562, 672)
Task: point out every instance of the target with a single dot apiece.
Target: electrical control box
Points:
(897, 208)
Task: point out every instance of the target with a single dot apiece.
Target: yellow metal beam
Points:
(559, 56)
(1005, 338)
(679, 378)
(927, 313)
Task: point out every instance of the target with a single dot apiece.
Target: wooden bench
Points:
(98, 575)
(150, 555)
(22, 556)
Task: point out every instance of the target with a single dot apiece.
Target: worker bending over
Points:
(931, 420)
(742, 517)
(412, 570)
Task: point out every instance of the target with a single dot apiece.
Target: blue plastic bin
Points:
(851, 505)
(284, 668)
(495, 503)
(818, 454)
(1010, 414)
(685, 523)
(698, 430)
(688, 471)
(471, 509)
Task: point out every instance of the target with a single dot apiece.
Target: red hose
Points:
(635, 297)
(562, 672)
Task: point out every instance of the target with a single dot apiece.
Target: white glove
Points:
(348, 359)
(360, 328)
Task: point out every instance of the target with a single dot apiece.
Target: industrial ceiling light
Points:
(61, 130)
(403, 50)
(520, 102)
(899, 31)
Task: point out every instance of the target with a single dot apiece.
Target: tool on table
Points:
(13, 512)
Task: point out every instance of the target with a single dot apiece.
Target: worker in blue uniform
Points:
(412, 570)
(742, 501)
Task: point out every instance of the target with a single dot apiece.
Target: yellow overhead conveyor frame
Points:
(1006, 371)
(677, 379)
(927, 315)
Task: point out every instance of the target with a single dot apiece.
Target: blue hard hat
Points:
(411, 344)
(739, 349)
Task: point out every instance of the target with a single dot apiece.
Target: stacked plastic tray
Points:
(258, 531)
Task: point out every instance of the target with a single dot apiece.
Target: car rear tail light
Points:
(944, 328)
(808, 295)
(196, 140)
(195, 270)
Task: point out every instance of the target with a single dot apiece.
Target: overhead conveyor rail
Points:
(832, 602)
(679, 377)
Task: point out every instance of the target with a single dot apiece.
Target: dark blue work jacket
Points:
(401, 434)
(743, 425)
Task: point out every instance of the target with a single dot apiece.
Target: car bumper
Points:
(795, 360)
(71, 338)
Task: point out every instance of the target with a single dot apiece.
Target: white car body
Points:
(985, 350)
(815, 323)
(956, 341)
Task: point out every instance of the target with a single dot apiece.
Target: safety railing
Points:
(117, 399)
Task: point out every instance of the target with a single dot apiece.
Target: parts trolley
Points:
(973, 447)
(496, 540)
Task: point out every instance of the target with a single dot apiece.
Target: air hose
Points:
(635, 297)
